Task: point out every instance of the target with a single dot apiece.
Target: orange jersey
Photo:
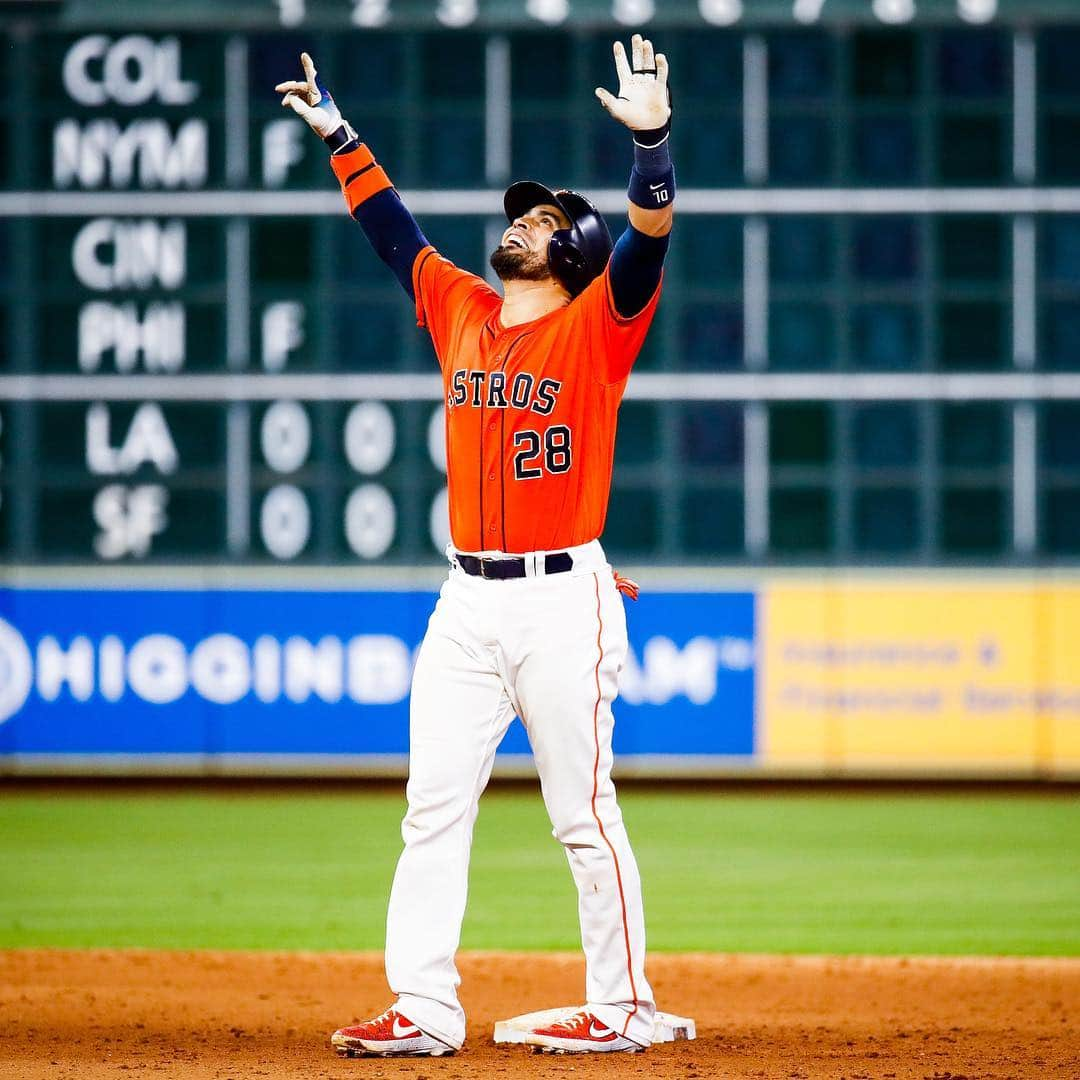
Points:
(530, 410)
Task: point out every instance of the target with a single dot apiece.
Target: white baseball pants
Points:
(549, 649)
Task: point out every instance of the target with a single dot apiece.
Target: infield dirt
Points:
(97, 1014)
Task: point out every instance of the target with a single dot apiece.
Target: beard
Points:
(516, 264)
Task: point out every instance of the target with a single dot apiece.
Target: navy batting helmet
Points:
(575, 255)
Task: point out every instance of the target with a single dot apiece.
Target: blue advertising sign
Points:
(220, 672)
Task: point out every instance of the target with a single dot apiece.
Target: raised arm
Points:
(643, 104)
(371, 198)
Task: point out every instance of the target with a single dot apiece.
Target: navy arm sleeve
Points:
(635, 269)
(393, 232)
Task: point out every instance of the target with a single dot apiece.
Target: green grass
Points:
(761, 872)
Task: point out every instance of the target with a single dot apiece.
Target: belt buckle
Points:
(483, 569)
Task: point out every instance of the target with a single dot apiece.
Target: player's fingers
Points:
(297, 103)
(622, 67)
(609, 101)
(616, 107)
(291, 87)
(309, 70)
(636, 52)
(661, 69)
(648, 61)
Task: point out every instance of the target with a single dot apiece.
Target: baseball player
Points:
(530, 620)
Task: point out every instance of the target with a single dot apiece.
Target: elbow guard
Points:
(360, 175)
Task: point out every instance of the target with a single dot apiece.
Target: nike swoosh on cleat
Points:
(599, 1031)
(403, 1031)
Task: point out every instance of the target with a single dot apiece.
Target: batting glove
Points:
(311, 101)
(644, 102)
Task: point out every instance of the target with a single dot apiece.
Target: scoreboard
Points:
(202, 361)
(587, 14)
(147, 288)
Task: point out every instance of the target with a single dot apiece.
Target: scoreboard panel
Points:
(588, 14)
(860, 198)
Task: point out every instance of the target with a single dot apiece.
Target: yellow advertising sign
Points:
(937, 676)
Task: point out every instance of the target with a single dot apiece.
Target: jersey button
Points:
(491, 528)
(491, 426)
(491, 476)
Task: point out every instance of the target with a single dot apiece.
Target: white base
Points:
(668, 1028)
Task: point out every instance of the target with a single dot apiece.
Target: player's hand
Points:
(311, 101)
(643, 102)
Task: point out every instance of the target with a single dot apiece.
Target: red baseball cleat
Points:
(388, 1035)
(580, 1033)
